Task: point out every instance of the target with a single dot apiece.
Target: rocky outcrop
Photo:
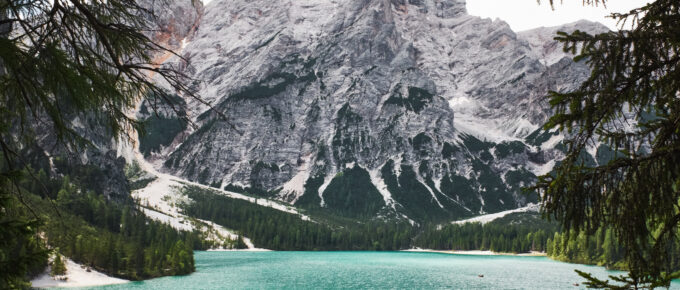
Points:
(173, 21)
(435, 110)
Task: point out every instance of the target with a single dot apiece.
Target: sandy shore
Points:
(476, 252)
(76, 277)
(239, 250)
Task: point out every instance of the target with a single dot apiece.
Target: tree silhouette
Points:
(630, 104)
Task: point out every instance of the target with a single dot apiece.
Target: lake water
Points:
(402, 270)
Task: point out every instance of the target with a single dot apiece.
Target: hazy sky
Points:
(527, 14)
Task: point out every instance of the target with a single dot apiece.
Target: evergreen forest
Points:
(110, 236)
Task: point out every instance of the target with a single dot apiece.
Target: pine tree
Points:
(609, 247)
(240, 243)
(58, 266)
(599, 243)
(630, 103)
(62, 59)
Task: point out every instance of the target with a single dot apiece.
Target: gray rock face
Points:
(98, 165)
(437, 107)
(172, 21)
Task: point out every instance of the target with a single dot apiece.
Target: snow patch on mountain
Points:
(483, 219)
(377, 180)
(326, 182)
(552, 142)
(434, 196)
(295, 187)
(177, 222)
(541, 169)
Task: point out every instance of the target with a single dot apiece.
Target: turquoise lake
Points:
(372, 270)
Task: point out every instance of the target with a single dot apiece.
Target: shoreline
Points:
(76, 276)
(79, 277)
(476, 253)
(238, 250)
(415, 250)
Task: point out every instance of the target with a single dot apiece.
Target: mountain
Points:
(363, 109)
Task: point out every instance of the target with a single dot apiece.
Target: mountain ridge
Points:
(402, 97)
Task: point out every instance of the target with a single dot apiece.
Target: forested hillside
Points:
(112, 237)
(515, 233)
(278, 230)
(602, 247)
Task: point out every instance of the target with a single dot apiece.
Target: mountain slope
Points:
(373, 108)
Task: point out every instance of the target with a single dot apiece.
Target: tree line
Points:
(602, 248)
(273, 229)
(496, 237)
(277, 230)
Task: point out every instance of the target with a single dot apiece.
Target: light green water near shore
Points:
(370, 270)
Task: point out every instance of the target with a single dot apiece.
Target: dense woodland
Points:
(109, 236)
(600, 248)
(508, 235)
(273, 229)
(276, 230)
(70, 73)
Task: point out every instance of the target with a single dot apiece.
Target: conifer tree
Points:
(240, 243)
(609, 249)
(631, 104)
(58, 266)
(61, 60)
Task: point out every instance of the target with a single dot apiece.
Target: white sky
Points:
(528, 14)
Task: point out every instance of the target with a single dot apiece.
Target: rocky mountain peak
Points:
(413, 109)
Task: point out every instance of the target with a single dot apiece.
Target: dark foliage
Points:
(416, 99)
(159, 131)
(507, 235)
(111, 237)
(351, 193)
(635, 79)
(61, 60)
(273, 229)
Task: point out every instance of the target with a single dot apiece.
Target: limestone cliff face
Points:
(173, 21)
(100, 165)
(372, 108)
